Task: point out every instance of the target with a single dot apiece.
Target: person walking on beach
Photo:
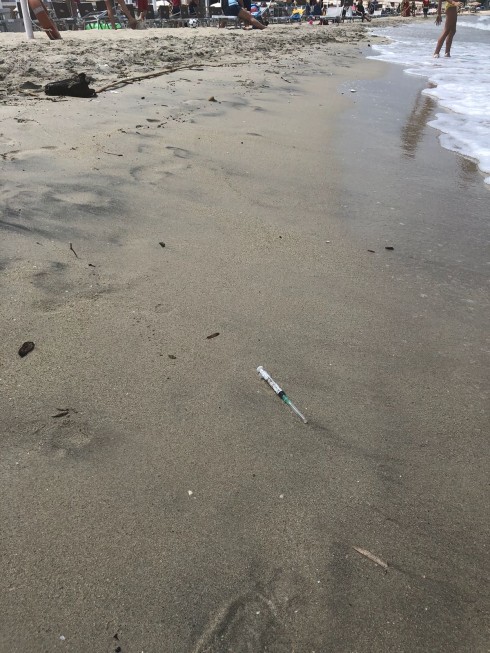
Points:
(235, 8)
(449, 26)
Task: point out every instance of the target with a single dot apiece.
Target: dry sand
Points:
(114, 55)
(176, 504)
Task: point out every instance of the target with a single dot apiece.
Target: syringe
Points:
(280, 392)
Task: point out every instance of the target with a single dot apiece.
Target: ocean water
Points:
(460, 84)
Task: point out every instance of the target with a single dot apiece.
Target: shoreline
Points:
(102, 537)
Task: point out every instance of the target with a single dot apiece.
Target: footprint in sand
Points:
(66, 436)
(248, 624)
(179, 152)
(262, 619)
(172, 165)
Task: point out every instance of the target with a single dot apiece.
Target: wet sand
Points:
(176, 504)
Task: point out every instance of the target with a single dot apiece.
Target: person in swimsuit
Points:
(449, 26)
(235, 8)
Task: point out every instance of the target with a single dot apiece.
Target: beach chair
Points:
(62, 16)
(279, 15)
(333, 14)
(85, 8)
(221, 19)
(3, 20)
(175, 19)
(349, 14)
(164, 15)
(100, 19)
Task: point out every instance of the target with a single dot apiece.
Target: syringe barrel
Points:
(267, 377)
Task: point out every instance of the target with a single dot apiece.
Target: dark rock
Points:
(26, 348)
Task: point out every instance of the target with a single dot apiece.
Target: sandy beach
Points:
(115, 55)
(156, 495)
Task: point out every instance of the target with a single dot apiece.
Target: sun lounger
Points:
(217, 20)
(63, 18)
(85, 8)
(217, 17)
(333, 13)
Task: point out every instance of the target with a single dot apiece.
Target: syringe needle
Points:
(300, 415)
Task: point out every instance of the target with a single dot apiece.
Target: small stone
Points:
(26, 348)
(212, 99)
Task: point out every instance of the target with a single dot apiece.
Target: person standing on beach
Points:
(142, 9)
(235, 8)
(176, 8)
(449, 26)
(425, 7)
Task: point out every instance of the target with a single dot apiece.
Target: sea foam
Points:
(460, 84)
